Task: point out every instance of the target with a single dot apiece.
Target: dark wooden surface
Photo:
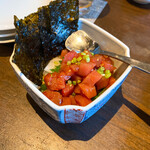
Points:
(123, 123)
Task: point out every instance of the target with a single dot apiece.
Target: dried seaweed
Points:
(28, 54)
(41, 36)
(64, 24)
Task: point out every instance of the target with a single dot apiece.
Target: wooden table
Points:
(122, 123)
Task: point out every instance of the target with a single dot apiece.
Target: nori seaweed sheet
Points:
(41, 36)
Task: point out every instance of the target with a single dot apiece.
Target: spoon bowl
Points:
(80, 40)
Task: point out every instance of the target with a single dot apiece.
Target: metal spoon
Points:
(79, 41)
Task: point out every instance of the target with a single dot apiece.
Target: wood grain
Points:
(123, 123)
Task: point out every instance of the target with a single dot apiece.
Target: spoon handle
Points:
(134, 63)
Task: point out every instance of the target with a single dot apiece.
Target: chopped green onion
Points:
(69, 82)
(73, 94)
(74, 82)
(92, 53)
(82, 53)
(74, 60)
(107, 71)
(84, 57)
(78, 81)
(107, 74)
(56, 69)
(87, 58)
(101, 70)
(43, 87)
(68, 63)
(56, 62)
(79, 58)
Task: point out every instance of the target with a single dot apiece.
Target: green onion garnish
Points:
(78, 81)
(56, 69)
(92, 53)
(43, 87)
(68, 63)
(107, 74)
(73, 94)
(69, 82)
(79, 58)
(101, 70)
(87, 58)
(82, 53)
(74, 82)
(74, 60)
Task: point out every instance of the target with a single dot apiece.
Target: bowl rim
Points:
(71, 107)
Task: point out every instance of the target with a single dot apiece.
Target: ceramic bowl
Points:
(78, 114)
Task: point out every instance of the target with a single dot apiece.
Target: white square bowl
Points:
(78, 114)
